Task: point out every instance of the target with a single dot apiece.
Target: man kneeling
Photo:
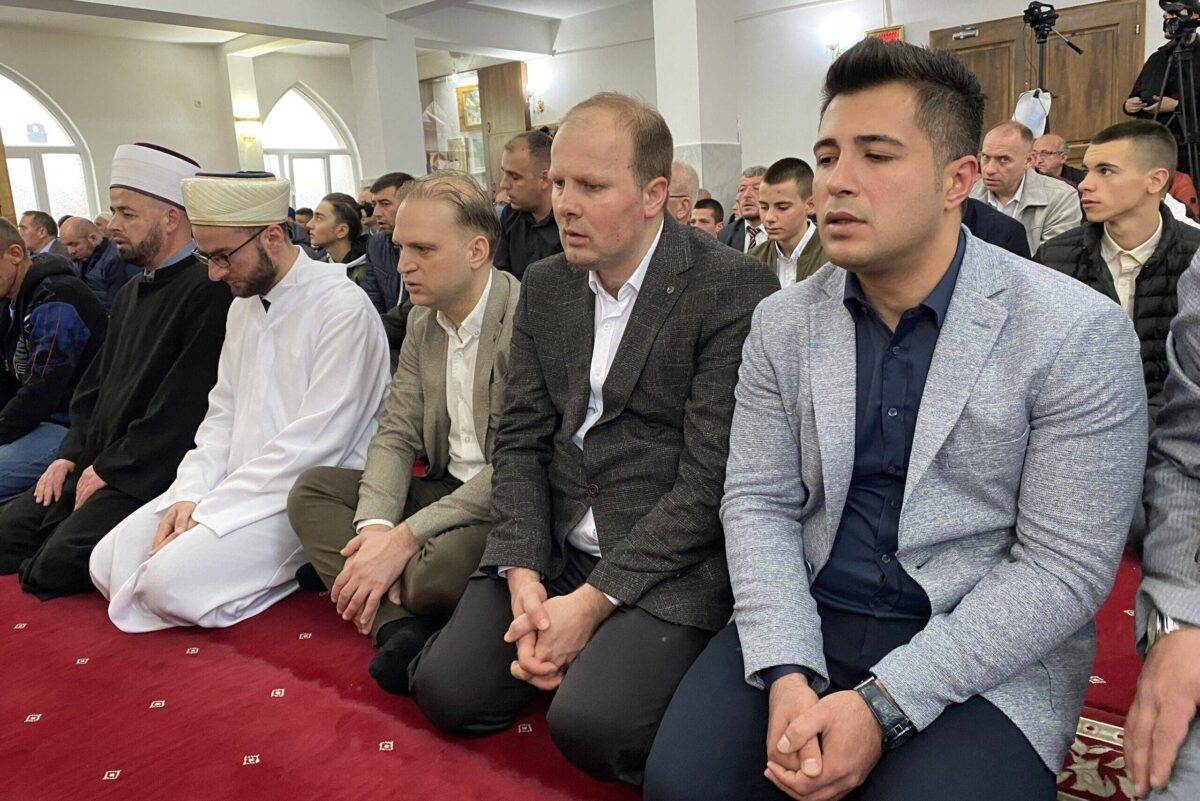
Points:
(302, 370)
(396, 551)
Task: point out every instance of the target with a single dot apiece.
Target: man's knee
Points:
(428, 593)
(442, 696)
(58, 568)
(601, 738)
(161, 590)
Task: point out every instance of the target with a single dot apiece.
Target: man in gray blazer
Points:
(1161, 724)
(604, 574)
(396, 551)
(934, 459)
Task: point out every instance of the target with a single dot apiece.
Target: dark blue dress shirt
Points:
(863, 575)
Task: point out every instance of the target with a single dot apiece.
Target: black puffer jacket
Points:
(1077, 253)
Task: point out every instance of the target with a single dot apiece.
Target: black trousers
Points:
(712, 742)
(50, 547)
(606, 711)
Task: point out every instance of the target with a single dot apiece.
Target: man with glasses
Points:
(135, 412)
(1050, 154)
(302, 372)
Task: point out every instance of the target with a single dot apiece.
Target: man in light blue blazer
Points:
(935, 456)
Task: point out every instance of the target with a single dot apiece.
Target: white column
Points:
(695, 65)
(390, 135)
(247, 119)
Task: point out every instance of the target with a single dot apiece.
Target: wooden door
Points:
(504, 110)
(1088, 90)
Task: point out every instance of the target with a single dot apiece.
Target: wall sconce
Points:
(537, 81)
(840, 31)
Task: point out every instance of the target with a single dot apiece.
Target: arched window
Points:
(48, 166)
(307, 145)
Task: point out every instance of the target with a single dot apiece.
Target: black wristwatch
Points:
(897, 728)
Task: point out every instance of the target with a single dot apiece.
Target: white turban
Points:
(237, 200)
(152, 170)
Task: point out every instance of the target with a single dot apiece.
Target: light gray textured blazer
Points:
(1048, 207)
(1026, 467)
(1171, 550)
(415, 419)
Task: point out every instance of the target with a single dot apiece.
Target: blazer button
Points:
(593, 490)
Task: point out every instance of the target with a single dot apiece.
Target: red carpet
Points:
(279, 707)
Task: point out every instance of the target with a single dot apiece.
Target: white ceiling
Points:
(555, 9)
(87, 25)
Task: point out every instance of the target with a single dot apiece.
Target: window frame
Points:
(340, 132)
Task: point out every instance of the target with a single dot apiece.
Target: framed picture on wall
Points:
(895, 33)
(470, 116)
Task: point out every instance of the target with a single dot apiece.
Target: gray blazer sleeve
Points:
(776, 615)
(1062, 215)
(1171, 550)
(1080, 484)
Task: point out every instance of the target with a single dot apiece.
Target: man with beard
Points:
(302, 372)
(135, 412)
(747, 232)
(97, 261)
(382, 282)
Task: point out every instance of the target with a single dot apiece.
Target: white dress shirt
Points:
(786, 266)
(1009, 208)
(462, 348)
(46, 247)
(297, 386)
(750, 244)
(1125, 265)
(612, 316)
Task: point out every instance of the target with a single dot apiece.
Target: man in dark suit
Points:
(604, 574)
(749, 217)
(995, 228)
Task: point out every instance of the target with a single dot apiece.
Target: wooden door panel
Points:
(993, 66)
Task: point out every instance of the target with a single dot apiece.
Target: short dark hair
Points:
(9, 236)
(346, 210)
(390, 180)
(537, 143)
(791, 169)
(308, 211)
(1151, 140)
(44, 221)
(63, 219)
(949, 98)
(712, 205)
(653, 147)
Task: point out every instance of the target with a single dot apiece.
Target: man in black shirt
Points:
(529, 231)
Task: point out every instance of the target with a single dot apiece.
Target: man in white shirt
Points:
(1132, 248)
(394, 550)
(747, 232)
(302, 371)
(1045, 206)
(785, 201)
(604, 573)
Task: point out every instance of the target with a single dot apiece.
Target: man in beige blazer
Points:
(394, 550)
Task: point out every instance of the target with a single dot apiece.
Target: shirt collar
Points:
(1016, 198)
(1110, 250)
(808, 234)
(46, 247)
(278, 291)
(472, 326)
(634, 283)
(937, 301)
(173, 259)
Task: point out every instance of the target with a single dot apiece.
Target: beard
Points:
(142, 253)
(260, 279)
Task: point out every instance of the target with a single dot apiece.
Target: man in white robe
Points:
(302, 372)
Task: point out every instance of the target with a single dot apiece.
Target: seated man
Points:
(1045, 207)
(414, 542)
(135, 411)
(529, 232)
(926, 502)
(708, 216)
(682, 192)
(995, 228)
(746, 232)
(336, 227)
(380, 282)
(40, 234)
(1162, 735)
(1050, 154)
(1132, 248)
(50, 330)
(793, 247)
(604, 575)
(97, 260)
(302, 371)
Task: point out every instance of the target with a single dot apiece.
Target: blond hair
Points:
(653, 147)
(472, 208)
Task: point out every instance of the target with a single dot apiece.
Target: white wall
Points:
(125, 90)
(606, 50)
(329, 77)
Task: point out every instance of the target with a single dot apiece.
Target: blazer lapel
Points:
(493, 320)
(577, 310)
(833, 367)
(973, 324)
(433, 381)
(660, 290)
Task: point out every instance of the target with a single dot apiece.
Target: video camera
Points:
(1183, 19)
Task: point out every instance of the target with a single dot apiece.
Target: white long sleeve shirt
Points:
(298, 386)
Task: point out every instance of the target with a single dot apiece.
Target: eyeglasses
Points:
(222, 260)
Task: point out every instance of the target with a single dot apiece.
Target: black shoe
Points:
(309, 580)
(399, 644)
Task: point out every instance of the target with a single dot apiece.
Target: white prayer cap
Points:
(152, 170)
(236, 200)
